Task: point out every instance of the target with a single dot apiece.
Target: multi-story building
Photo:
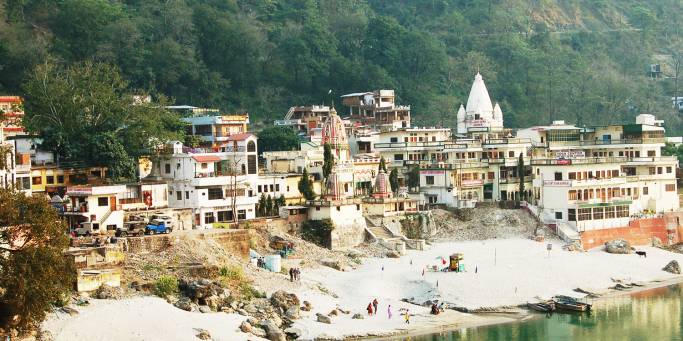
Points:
(219, 187)
(305, 119)
(601, 177)
(217, 132)
(376, 109)
(12, 113)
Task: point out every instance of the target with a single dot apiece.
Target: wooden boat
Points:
(545, 307)
(571, 304)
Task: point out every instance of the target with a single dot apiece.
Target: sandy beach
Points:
(509, 272)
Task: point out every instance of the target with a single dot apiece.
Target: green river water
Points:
(655, 314)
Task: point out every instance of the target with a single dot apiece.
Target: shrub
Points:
(317, 231)
(165, 286)
(249, 292)
(233, 272)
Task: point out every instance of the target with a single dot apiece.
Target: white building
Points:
(479, 114)
(218, 186)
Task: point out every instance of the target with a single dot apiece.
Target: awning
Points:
(206, 158)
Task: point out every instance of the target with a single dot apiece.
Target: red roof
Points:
(239, 137)
(206, 158)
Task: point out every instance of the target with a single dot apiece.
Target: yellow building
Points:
(52, 179)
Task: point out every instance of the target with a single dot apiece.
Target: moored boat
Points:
(571, 304)
(545, 307)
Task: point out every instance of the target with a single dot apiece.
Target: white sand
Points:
(510, 272)
(142, 318)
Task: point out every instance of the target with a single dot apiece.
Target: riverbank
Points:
(503, 272)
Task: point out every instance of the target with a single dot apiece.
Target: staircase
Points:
(380, 232)
(104, 218)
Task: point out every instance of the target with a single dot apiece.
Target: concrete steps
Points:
(380, 232)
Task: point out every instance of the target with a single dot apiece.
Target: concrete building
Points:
(217, 132)
(377, 109)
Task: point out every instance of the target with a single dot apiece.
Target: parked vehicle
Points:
(158, 226)
(131, 228)
(87, 229)
(168, 221)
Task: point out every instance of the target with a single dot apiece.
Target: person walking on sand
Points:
(375, 304)
(423, 272)
(407, 316)
(291, 274)
(369, 308)
(389, 311)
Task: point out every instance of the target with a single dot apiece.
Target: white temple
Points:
(480, 112)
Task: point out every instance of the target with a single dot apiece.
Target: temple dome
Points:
(382, 188)
(334, 133)
(479, 101)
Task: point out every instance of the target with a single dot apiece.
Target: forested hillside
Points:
(584, 61)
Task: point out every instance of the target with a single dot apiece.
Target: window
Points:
(572, 175)
(615, 173)
(209, 218)
(572, 195)
(60, 179)
(670, 187)
(215, 193)
(584, 214)
(251, 164)
(338, 208)
(609, 212)
(101, 202)
(357, 207)
(398, 157)
(317, 208)
(241, 214)
(645, 190)
(251, 146)
(37, 180)
(571, 214)
(224, 216)
(659, 170)
(187, 194)
(558, 215)
(259, 188)
(621, 211)
(167, 168)
(558, 176)
(492, 175)
(277, 187)
(598, 213)
(393, 139)
(652, 170)
(511, 154)
(205, 165)
(429, 179)
(668, 169)
(50, 179)
(651, 153)
(271, 188)
(179, 195)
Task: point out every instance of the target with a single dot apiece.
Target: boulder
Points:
(213, 302)
(256, 331)
(282, 300)
(198, 289)
(618, 246)
(250, 308)
(346, 312)
(293, 333)
(184, 304)
(203, 334)
(245, 327)
(292, 313)
(334, 312)
(273, 332)
(204, 309)
(334, 264)
(357, 316)
(307, 306)
(323, 319)
(673, 267)
(393, 254)
(107, 292)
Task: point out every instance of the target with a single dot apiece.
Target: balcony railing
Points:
(601, 142)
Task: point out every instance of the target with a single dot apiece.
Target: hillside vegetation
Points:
(584, 61)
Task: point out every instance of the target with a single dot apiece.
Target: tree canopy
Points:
(277, 138)
(584, 61)
(86, 113)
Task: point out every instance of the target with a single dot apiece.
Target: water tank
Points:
(273, 263)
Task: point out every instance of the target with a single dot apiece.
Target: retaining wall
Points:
(639, 232)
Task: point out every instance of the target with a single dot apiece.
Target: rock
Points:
(673, 267)
(70, 311)
(323, 319)
(292, 313)
(245, 327)
(42, 335)
(273, 332)
(198, 289)
(357, 316)
(282, 300)
(252, 320)
(656, 242)
(393, 254)
(294, 333)
(334, 264)
(184, 304)
(213, 302)
(258, 332)
(233, 305)
(227, 310)
(346, 312)
(242, 312)
(204, 309)
(203, 334)
(106, 292)
(307, 306)
(334, 312)
(276, 319)
(618, 246)
(250, 308)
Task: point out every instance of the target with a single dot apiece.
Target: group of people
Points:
(372, 310)
(294, 274)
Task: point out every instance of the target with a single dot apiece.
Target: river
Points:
(654, 314)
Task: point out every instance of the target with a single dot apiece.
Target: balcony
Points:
(654, 140)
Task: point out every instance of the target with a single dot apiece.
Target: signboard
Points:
(557, 183)
(476, 182)
(570, 154)
(79, 191)
(431, 172)
(564, 162)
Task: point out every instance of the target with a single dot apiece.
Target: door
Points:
(112, 203)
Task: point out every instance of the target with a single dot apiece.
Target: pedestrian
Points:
(382, 268)
(437, 283)
(407, 316)
(423, 272)
(298, 274)
(389, 311)
(476, 269)
(375, 304)
(369, 308)
(291, 274)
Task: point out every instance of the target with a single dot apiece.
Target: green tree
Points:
(382, 165)
(194, 141)
(269, 205)
(277, 138)
(520, 173)
(328, 160)
(305, 186)
(280, 201)
(34, 273)
(414, 177)
(85, 113)
(261, 210)
(393, 180)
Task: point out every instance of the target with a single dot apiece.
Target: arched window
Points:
(251, 146)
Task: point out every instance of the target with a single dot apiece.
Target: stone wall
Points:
(236, 241)
(347, 234)
(639, 232)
